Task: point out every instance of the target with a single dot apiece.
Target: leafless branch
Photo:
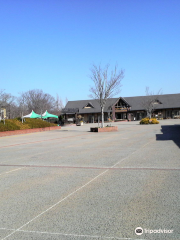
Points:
(105, 85)
(149, 102)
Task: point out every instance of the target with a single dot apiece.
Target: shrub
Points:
(19, 123)
(144, 121)
(176, 117)
(18, 118)
(8, 126)
(16, 124)
(153, 121)
(149, 121)
(38, 123)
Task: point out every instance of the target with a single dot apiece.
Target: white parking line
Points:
(69, 195)
(12, 171)
(69, 234)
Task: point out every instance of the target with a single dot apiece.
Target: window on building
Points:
(157, 102)
(89, 105)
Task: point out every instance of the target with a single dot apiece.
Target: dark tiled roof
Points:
(136, 103)
(167, 100)
(82, 103)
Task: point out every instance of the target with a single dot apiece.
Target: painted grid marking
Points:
(69, 195)
(69, 234)
(62, 200)
(19, 144)
(12, 170)
(86, 167)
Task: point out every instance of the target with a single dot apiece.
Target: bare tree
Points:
(106, 85)
(37, 100)
(149, 102)
(58, 105)
(66, 101)
(13, 110)
(22, 105)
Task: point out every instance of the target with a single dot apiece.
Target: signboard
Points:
(123, 110)
(119, 108)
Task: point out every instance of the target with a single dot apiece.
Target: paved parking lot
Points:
(71, 184)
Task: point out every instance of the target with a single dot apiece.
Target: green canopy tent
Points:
(48, 115)
(32, 115)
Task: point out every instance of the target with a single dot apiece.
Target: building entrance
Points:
(121, 116)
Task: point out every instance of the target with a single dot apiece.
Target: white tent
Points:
(48, 115)
(32, 115)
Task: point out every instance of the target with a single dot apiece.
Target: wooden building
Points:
(123, 108)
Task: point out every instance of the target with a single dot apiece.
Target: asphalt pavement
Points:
(71, 184)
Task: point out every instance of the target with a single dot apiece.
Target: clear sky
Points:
(51, 45)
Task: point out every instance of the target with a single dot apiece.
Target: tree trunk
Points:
(102, 116)
(149, 114)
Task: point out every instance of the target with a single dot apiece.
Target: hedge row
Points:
(16, 124)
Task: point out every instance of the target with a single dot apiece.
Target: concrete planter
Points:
(104, 129)
(24, 131)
